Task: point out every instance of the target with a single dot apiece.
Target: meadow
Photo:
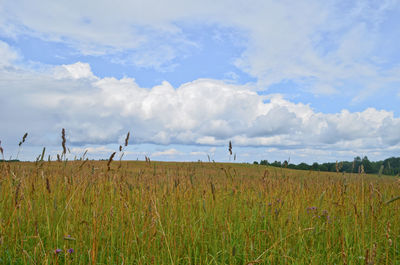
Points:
(136, 212)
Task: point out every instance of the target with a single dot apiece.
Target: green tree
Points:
(367, 165)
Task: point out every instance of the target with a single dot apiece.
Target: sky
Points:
(309, 81)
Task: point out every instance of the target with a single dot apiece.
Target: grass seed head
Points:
(63, 141)
(127, 139)
(110, 160)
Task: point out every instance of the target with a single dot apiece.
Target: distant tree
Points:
(10, 160)
(303, 166)
(390, 166)
(323, 167)
(276, 164)
(356, 164)
(367, 165)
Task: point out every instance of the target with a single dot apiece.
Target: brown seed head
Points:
(63, 141)
(110, 160)
(127, 139)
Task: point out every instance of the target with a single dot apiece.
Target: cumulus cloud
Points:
(206, 112)
(75, 71)
(279, 120)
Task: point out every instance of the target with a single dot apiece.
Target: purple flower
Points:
(310, 209)
(57, 251)
(71, 250)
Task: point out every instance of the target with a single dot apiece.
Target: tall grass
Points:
(86, 212)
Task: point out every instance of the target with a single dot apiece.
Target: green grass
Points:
(194, 213)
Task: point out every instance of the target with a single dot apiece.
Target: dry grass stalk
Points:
(48, 185)
(344, 255)
(23, 139)
(84, 154)
(110, 160)
(366, 258)
(1, 150)
(63, 141)
(373, 255)
(43, 152)
(83, 163)
(392, 200)
(127, 139)
(17, 193)
(32, 188)
(213, 190)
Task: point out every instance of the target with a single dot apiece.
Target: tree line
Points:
(389, 166)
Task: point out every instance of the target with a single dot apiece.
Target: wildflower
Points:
(311, 209)
(71, 250)
(329, 219)
(277, 212)
(57, 251)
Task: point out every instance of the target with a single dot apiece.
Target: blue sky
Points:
(310, 80)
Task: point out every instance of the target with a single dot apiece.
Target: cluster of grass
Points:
(87, 212)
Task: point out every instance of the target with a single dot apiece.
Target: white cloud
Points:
(203, 112)
(168, 152)
(316, 43)
(7, 54)
(198, 153)
(91, 150)
(75, 71)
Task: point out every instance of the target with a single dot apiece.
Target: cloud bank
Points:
(337, 57)
(203, 112)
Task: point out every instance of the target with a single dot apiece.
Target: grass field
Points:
(194, 213)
